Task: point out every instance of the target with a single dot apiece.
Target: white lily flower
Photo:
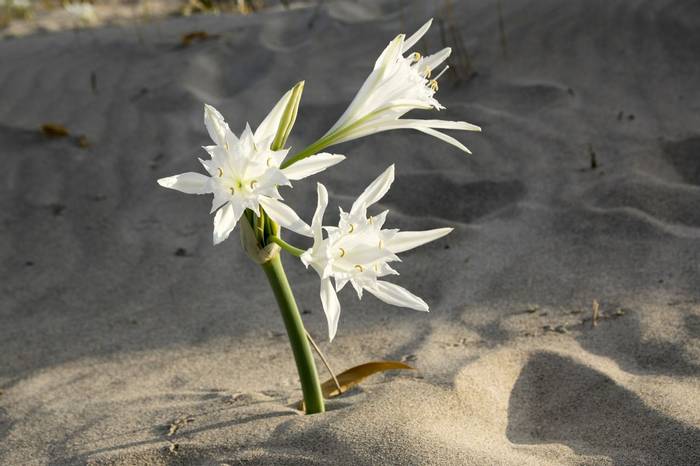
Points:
(359, 251)
(244, 173)
(397, 85)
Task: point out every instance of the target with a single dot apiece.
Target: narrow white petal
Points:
(405, 240)
(269, 125)
(224, 222)
(444, 137)
(375, 191)
(416, 36)
(215, 124)
(190, 183)
(331, 306)
(396, 296)
(285, 216)
(311, 165)
(445, 124)
(433, 61)
(321, 204)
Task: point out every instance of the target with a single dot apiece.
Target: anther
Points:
(381, 244)
(352, 228)
(415, 56)
(253, 184)
(359, 268)
(433, 84)
(370, 220)
(427, 72)
(232, 190)
(342, 252)
(269, 161)
(221, 172)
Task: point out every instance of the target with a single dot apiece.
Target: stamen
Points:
(381, 244)
(269, 161)
(352, 228)
(342, 252)
(433, 84)
(221, 172)
(376, 267)
(415, 56)
(370, 220)
(441, 72)
(359, 268)
(232, 190)
(253, 184)
(226, 145)
(427, 72)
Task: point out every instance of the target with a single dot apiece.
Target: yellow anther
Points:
(342, 252)
(253, 184)
(428, 72)
(433, 84)
(226, 145)
(352, 228)
(381, 244)
(269, 161)
(415, 56)
(221, 172)
(370, 220)
(359, 268)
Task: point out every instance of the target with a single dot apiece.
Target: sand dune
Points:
(119, 319)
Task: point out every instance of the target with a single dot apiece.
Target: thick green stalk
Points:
(310, 386)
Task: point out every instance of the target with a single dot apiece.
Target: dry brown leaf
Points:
(54, 130)
(190, 37)
(353, 376)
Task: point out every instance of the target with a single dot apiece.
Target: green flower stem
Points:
(310, 386)
(286, 246)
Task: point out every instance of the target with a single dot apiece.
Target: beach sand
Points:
(120, 323)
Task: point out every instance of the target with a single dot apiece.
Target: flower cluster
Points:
(246, 172)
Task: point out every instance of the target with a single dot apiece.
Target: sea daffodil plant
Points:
(244, 175)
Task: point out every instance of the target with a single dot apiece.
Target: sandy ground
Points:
(118, 318)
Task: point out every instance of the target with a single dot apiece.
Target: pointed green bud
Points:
(288, 117)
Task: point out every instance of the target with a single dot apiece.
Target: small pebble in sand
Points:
(561, 329)
(532, 308)
(547, 328)
(83, 142)
(306, 311)
(619, 312)
(630, 117)
(409, 357)
(181, 252)
(57, 209)
(173, 447)
(29, 263)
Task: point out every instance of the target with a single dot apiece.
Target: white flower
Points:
(397, 85)
(245, 173)
(358, 251)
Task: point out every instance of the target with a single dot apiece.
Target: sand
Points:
(120, 323)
